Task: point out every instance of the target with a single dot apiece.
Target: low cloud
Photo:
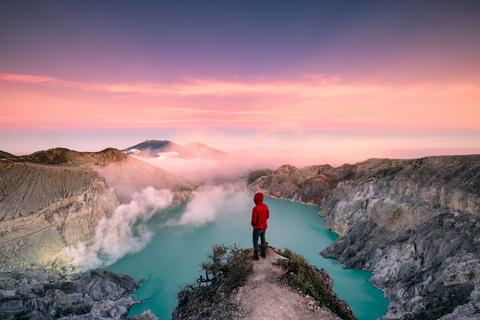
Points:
(208, 171)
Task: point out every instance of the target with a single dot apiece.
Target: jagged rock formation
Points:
(414, 223)
(313, 184)
(99, 295)
(55, 198)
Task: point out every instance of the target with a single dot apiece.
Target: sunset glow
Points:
(276, 74)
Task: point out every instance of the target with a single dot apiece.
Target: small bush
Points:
(216, 263)
(228, 263)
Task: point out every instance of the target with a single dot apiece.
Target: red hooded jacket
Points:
(260, 212)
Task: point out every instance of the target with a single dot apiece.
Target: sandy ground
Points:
(268, 299)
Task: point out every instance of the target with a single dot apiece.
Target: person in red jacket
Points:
(260, 214)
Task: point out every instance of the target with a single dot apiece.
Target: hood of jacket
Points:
(258, 198)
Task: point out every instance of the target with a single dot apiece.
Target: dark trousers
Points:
(263, 246)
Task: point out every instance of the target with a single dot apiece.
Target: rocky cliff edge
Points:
(415, 224)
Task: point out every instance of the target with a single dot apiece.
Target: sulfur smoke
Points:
(124, 232)
(127, 230)
(206, 171)
(209, 204)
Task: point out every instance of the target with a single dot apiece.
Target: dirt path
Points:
(265, 298)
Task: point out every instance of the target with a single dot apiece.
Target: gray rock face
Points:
(313, 184)
(415, 224)
(100, 295)
(45, 208)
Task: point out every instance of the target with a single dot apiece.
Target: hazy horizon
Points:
(319, 81)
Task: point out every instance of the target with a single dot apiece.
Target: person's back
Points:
(260, 215)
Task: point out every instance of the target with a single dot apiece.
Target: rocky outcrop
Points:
(45, 208)
(313, 184)
(99, 295)
(414, 223)
(268, 293)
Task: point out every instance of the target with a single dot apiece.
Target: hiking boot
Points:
(254, 258)
(263, 256)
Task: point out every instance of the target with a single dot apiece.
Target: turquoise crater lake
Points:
(172, 257)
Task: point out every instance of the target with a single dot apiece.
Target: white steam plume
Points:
(208, 171)
(208, 204)
(124, 232)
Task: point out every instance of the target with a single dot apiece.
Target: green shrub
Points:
(229, 264)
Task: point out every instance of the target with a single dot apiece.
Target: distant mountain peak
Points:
(151, 149)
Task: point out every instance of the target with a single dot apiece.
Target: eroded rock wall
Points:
(414, 223)
(45, 208)
(313, 184)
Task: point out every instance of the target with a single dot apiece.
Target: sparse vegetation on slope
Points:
(226, 268)
(309, 280)
(238, 288)
(228, 262)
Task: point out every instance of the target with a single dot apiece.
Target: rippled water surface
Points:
(173, 256)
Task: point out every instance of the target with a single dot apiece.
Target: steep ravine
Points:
(414, 224)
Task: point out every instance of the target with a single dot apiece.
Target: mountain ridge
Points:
(4, 155)
(152, 148)
(64, 156)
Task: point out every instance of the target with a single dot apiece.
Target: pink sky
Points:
(333, 90)
(311, 103)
